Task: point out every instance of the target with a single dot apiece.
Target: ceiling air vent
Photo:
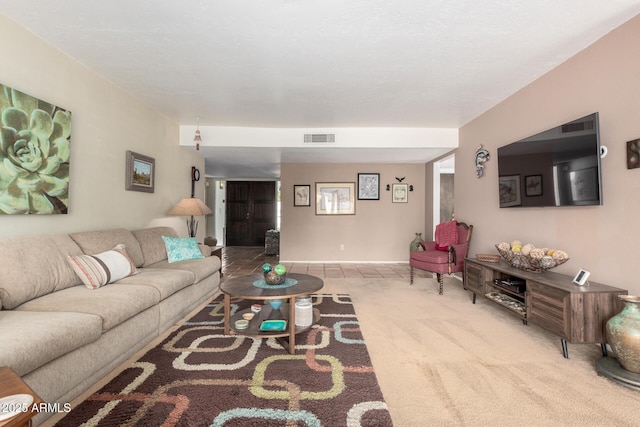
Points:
(319, 138)
(578, 126)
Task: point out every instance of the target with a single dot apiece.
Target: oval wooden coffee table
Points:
(243, 287)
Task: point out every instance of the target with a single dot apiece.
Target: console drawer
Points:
(474, 278)
(549, 308)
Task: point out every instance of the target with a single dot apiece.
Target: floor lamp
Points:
(191, 207)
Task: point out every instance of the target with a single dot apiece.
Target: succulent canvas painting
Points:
(35, 138)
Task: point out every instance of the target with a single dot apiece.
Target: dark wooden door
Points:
(251, 211)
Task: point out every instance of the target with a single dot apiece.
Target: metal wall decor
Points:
(400, 193)
(482, 156)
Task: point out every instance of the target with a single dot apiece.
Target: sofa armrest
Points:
(205, 249)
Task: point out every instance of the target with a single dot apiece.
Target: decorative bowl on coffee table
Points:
(272, 278)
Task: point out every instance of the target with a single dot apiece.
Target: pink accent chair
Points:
(441, 261)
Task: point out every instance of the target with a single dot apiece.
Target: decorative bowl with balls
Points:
(527, 257)
(274, 275)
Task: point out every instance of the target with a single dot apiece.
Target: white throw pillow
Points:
(106, 267)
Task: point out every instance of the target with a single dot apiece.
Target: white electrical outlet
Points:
(341, 247)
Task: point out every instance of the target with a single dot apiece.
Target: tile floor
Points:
(243, 260)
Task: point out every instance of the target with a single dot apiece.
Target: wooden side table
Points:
(10, 384)
(217, 251)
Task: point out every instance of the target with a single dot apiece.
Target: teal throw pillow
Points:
(181, 249)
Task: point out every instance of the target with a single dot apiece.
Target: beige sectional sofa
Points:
(60, 336)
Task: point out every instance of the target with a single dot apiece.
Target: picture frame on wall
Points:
(509, 186)
(140, 172)
(302, 195)
(400, 193)
(368, 186)
(584, 184)
(335, 198)
(35, 153)
(533, 185)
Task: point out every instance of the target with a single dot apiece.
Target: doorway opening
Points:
(443, 180)
(251, 209)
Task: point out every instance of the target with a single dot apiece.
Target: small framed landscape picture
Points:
(140, 173)
(301, 195)
(368, 186)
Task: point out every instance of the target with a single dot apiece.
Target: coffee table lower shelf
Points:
(267, 313)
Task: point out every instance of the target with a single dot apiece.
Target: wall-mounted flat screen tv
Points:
(557, 167)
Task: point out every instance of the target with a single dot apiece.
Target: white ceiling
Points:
(321, 63)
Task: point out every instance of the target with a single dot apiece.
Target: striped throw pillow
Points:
(106, 267)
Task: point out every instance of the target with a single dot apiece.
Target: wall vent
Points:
(578, 126)
(319, 138)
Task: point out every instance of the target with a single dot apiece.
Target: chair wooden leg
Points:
(440, 283)
(411, 275)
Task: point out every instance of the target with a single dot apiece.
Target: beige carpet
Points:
(442, 361)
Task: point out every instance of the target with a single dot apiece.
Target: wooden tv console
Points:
(577, 314)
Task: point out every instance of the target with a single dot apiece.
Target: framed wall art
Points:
(34, 155)
(584, 184)
(368, 186)
(509, 186)
(301, 195)
(140, 173)
(633, 151)
(533, 185)
(400, 193)
(335, 198)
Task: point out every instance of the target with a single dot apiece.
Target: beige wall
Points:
(603, 239)
(380, 231)
(106, 122)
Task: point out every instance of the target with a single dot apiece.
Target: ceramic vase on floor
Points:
(623, 334)
(415, 243)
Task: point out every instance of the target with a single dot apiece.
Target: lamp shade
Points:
(191, 206)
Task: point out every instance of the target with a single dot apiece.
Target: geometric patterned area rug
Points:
(200, 377)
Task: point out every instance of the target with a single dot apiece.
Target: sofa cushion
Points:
(94, 242)
(32, 339)
(167, 282)
(152, 244)
(114, 303)
(106, 267)
(38, 266)
(430, 257)
(202, 268)
(182, 249)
